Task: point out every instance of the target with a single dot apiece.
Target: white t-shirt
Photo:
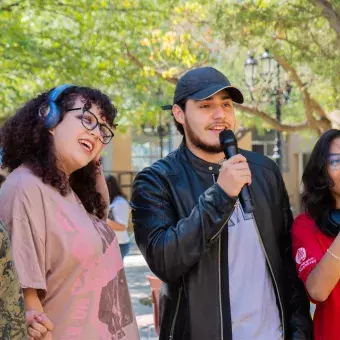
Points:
(254, 311)
(120, 209)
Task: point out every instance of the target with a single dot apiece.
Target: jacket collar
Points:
(196, 163)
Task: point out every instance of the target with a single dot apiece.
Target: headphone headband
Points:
(54, 95)
(52, 118)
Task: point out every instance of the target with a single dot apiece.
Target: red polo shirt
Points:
(309, 246)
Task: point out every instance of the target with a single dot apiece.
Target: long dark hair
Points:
(114, 188)
(317, 198)
(25, 140)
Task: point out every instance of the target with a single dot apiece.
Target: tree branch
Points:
(137, 62)
(318, 109)
(8, 8)
(310, 103)
(111, 8)
(271, 121)
(330, 14)
(241, 132)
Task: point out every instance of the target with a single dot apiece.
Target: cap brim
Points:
(167, 107)
(235, 93)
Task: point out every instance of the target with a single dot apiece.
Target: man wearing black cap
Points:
(227, 274)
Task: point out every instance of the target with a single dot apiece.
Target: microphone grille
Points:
(227, 136)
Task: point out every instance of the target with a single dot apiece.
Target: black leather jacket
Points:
(180, 229)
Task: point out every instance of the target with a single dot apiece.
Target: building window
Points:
(265, 143)
(147, 149)
(263, 147)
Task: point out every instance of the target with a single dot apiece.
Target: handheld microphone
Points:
(229, 145)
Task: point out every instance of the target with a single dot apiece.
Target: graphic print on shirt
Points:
(302, 261)
(235, 217)
(114, 306)
(300, 255)
(101, 281)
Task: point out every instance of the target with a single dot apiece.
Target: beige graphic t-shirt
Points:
(71, 257)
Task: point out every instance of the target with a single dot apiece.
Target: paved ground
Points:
(136, 271)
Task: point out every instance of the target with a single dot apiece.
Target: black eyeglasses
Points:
(90, 122)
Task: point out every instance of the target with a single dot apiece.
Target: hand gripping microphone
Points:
(229, 145)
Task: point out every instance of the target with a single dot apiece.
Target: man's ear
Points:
(51, 131)
(178, 114)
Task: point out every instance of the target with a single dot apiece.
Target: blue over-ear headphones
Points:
(331, 226)
(52, 118)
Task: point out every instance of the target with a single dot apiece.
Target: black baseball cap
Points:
(201, 83)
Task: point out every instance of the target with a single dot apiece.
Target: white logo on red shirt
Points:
(300, 255)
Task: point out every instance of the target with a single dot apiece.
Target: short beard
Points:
(198, 143)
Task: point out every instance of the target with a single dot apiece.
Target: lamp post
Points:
(274, 86)
(161, 130)
(250, 73)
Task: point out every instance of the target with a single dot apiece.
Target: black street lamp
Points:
(250, 73)
(274, 86)
(160, 130)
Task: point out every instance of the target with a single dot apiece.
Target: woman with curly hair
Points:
(316, 238)
(54, 203)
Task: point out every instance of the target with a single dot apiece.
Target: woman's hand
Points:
(101, 186)
(98, 155)
(115, 225)
(39, 326)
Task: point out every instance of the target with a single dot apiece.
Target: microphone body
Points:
(229, 145)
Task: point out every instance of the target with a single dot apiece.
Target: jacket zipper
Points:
(272, 273)
(269, 265)
(220, 284)
(219, 269)
(219, 263)
(226, 221)
(171, 337)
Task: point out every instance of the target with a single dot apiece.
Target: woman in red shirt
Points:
(315, 233)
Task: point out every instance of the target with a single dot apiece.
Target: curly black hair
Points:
(25, 140)
(317, 198)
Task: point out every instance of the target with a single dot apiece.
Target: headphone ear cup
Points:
(52, 118)
(335, 216)
(332, 224)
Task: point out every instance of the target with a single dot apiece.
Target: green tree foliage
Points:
(135, 50)
(125, 48)
(300, 35)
